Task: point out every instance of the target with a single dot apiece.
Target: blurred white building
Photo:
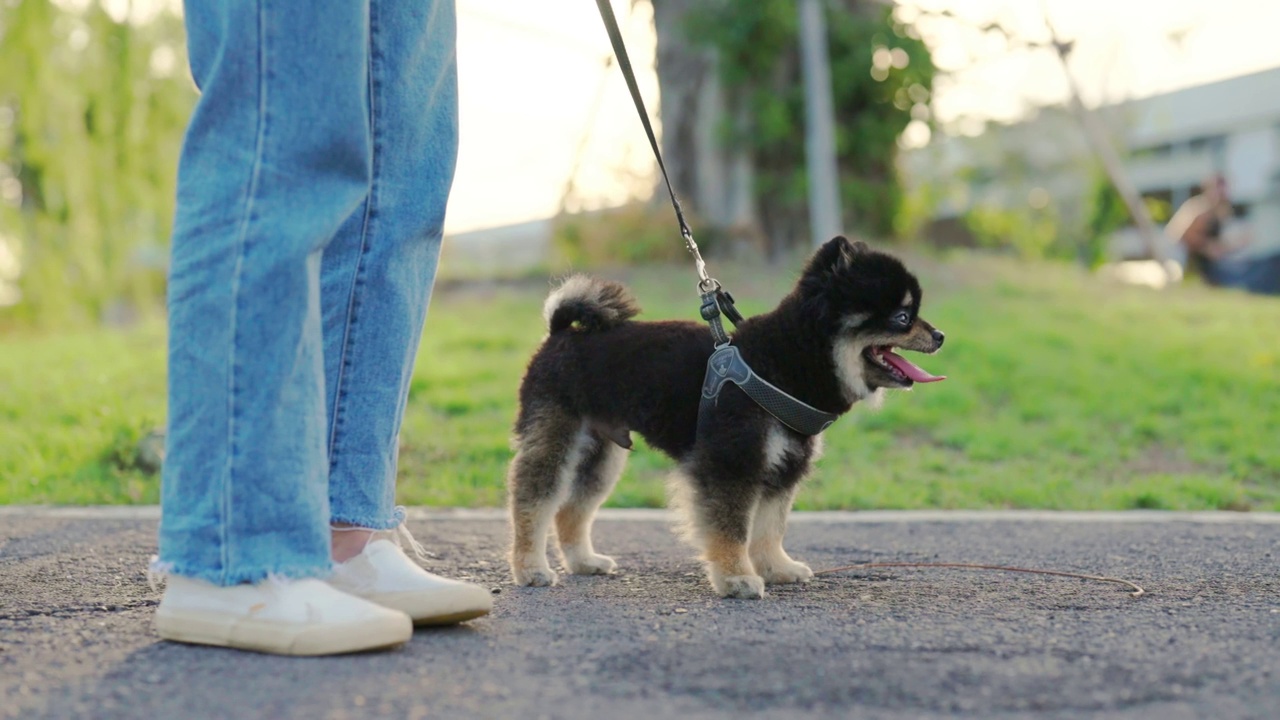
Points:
(1171, 143)
(1231, 127)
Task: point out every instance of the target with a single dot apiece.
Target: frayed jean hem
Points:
(245, 576)
(371, 523)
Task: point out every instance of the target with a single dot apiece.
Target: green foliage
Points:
(1108, 214)
(92, 112)
(1065, 391)
(73, 408)
(627, 235)
(881, 73)
(919, 206)
(1029, 233)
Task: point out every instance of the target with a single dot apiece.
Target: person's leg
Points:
(376, 281)
(1262, 274)
(275, 158)
(378, 272)
(1228, 272)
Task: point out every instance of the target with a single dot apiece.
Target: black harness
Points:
(726, 363)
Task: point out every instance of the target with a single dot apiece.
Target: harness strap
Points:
(726, 365)
(714, 303)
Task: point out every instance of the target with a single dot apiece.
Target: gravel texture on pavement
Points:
(653, 642)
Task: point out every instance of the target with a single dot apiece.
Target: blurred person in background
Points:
(1199, 227)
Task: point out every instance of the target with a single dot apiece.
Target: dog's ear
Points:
(849, 251)
(835, 255)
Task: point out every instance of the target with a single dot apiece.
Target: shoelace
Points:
(400, 535)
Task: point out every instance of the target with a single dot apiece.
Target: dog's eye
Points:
(902, 319)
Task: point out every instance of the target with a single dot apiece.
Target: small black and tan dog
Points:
(599, 375)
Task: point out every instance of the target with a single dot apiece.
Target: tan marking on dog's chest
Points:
(849, 368)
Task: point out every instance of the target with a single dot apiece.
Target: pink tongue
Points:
(908, 368)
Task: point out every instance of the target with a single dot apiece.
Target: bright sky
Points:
(531, 73)
(1123, 49)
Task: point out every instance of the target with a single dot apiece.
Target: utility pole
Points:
(820, 137)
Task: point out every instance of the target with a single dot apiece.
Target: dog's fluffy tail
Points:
(590, 303)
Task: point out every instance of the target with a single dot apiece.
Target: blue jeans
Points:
(311, 198)
(1254, 273)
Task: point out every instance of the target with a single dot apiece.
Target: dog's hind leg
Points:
(767, 529)
(550, 447)
(602, 463)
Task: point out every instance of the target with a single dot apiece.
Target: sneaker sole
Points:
(435, 612)
(453, 619)
(202, 628)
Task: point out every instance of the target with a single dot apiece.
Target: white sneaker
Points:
(285, 617)
(383, 574)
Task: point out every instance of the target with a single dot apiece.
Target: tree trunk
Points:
(712, 180)
(1107, 156)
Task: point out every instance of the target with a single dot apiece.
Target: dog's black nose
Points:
(938, 337)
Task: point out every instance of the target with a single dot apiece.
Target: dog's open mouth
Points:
(898, 367)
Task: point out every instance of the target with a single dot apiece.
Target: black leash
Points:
(715, 299)
(726, 364)
(705, 283)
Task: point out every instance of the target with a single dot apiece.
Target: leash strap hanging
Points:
(726, 363)
(705, 283)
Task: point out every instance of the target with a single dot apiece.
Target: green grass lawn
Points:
(1065, 391)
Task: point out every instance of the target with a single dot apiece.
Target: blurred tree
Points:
(1108, 214)
(92, 111)
(1031, 233)
(712, 176)
(733, 111)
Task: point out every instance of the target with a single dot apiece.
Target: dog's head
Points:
(868, 304)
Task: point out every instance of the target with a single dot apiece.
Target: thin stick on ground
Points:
(1137, 590)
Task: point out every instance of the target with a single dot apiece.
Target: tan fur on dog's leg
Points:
(722, 539)
(767, 555)
(538, 481)
(596, 477)
(529, 564)
(730, 570)
(573, 528)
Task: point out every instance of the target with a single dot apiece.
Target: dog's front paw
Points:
(788, 572)
(590, 564)
(743, 587)
(534, 576)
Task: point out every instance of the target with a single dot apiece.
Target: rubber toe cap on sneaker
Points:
(385, 575)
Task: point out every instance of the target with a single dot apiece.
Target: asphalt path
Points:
(653, 642)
